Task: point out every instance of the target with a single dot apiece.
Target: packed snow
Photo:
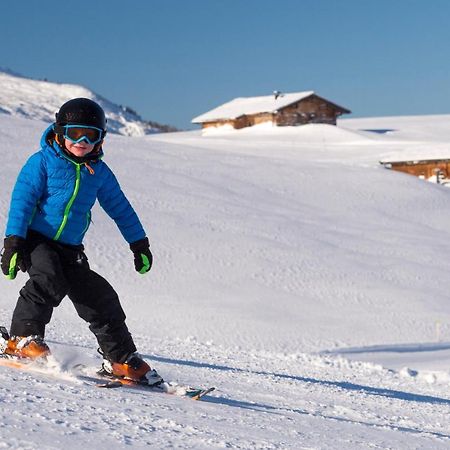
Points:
(293, 272)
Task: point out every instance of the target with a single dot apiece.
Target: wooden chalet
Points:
(422, 168)
(279, 109)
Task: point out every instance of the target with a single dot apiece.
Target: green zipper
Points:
(70, 203)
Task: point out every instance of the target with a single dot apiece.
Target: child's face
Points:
(78, 149)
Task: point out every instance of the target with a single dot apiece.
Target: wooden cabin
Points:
(423, 168)
(279, 109)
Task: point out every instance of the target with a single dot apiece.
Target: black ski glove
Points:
(143, 257)
(14, 256)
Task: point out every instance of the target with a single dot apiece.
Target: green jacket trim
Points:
(70, 202)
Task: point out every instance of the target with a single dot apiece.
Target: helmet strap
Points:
(97, 148)
(60, 141)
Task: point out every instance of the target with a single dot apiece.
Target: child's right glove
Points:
(14, 256)
(143, 257)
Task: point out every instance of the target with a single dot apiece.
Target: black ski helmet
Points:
(81, 111)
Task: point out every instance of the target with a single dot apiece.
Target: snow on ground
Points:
(433, 128)
(292, 271)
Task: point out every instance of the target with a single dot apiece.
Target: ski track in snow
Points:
(291, 272)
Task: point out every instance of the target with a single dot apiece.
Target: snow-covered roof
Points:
(418, 156)
(251, 105)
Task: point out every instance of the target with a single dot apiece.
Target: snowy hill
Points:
(435, 128)
(293, 272)
(35, 99)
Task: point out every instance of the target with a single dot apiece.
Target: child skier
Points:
(49, 215)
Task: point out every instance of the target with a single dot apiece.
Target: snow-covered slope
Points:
(434, 128)
(35, 99)
(293, 272)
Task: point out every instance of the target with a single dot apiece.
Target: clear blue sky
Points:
(173, 59)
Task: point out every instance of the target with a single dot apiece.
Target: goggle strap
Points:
(61, 130)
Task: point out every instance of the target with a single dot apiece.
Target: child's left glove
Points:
(143, 257)
(14, 256)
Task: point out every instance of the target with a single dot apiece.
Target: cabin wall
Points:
(236, 123)
(240, 122)
(424, 169)
(309, 110)
(256, 119)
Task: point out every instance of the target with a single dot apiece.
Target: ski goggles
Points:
(79, 133)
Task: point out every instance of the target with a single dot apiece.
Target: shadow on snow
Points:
(280, 410)
(343, 385)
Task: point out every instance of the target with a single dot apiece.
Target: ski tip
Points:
(194, 394)
(200, 393)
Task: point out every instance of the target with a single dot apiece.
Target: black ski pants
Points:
(58, 270)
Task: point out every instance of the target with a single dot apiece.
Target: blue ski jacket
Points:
(54, 195)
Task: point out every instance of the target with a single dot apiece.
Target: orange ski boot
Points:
(30, 347)
(134, 368)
